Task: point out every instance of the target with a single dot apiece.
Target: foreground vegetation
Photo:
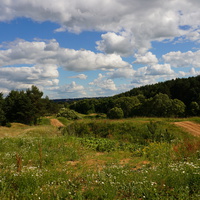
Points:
(100, 159)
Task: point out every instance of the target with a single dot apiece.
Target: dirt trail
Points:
(191, 127)
(56, 123)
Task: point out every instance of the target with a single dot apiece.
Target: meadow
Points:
(101, 159)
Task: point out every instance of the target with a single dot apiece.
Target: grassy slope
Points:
(40, 163)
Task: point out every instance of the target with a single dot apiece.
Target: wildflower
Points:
(153, 183)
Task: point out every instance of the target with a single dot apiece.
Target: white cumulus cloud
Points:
(143, 21)
(103, 83)
(24, 77)
(159, 69)
(79, 76)
(122, 73)
(118, 44)
(49, 52)
(147, 59)
(72, 90)
(179, 59)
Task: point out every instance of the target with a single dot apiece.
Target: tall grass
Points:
(134, 131)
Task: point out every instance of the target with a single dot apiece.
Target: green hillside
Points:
(174, 98)
(184, 89)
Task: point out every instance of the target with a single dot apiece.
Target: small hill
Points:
(184, 89)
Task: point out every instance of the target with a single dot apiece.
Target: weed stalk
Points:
(19, 162)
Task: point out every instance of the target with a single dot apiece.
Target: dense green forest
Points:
(184, 89)
(174, 98)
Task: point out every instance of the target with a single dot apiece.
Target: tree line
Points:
(25, 106)
(174, 98)
(124, 107)
(185, 89)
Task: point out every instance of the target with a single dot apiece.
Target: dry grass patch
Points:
(16, 129)
(20, 130)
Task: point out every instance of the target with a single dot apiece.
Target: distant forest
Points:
(174, 98)
(185, 89)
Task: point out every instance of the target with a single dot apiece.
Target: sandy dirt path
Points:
(191, 127)
(56, 123)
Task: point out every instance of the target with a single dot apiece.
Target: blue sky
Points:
(71, 49)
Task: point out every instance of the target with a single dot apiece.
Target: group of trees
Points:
(123, 107)
(25, 106)
(185, 89)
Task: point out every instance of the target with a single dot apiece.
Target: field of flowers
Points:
(101, 159)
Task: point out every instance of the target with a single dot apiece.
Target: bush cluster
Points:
(125, 131)
(68, 114)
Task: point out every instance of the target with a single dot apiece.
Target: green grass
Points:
(44, 121)
(195, 119)
(63, 120)
(114, 163)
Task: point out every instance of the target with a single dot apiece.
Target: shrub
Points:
(158, 151)
(157, 133)
(115, 113)
(69, 114)
(99, 144)
(77, 129)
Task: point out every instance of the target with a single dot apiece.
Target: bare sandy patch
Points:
(57, 123)
(190, 127)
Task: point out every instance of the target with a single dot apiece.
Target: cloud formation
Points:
(179, 59)
(79, 76)
(25, 77)
(71, 90)
(103, 83)
(49, 52)
(24, 63)
(142, 21)
(44, 58)
(147, 59)
(115, 43)
(128, 29)
(122, 73)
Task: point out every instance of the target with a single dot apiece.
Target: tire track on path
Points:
(190, 127)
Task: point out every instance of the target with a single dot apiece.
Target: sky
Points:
(93, 48)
